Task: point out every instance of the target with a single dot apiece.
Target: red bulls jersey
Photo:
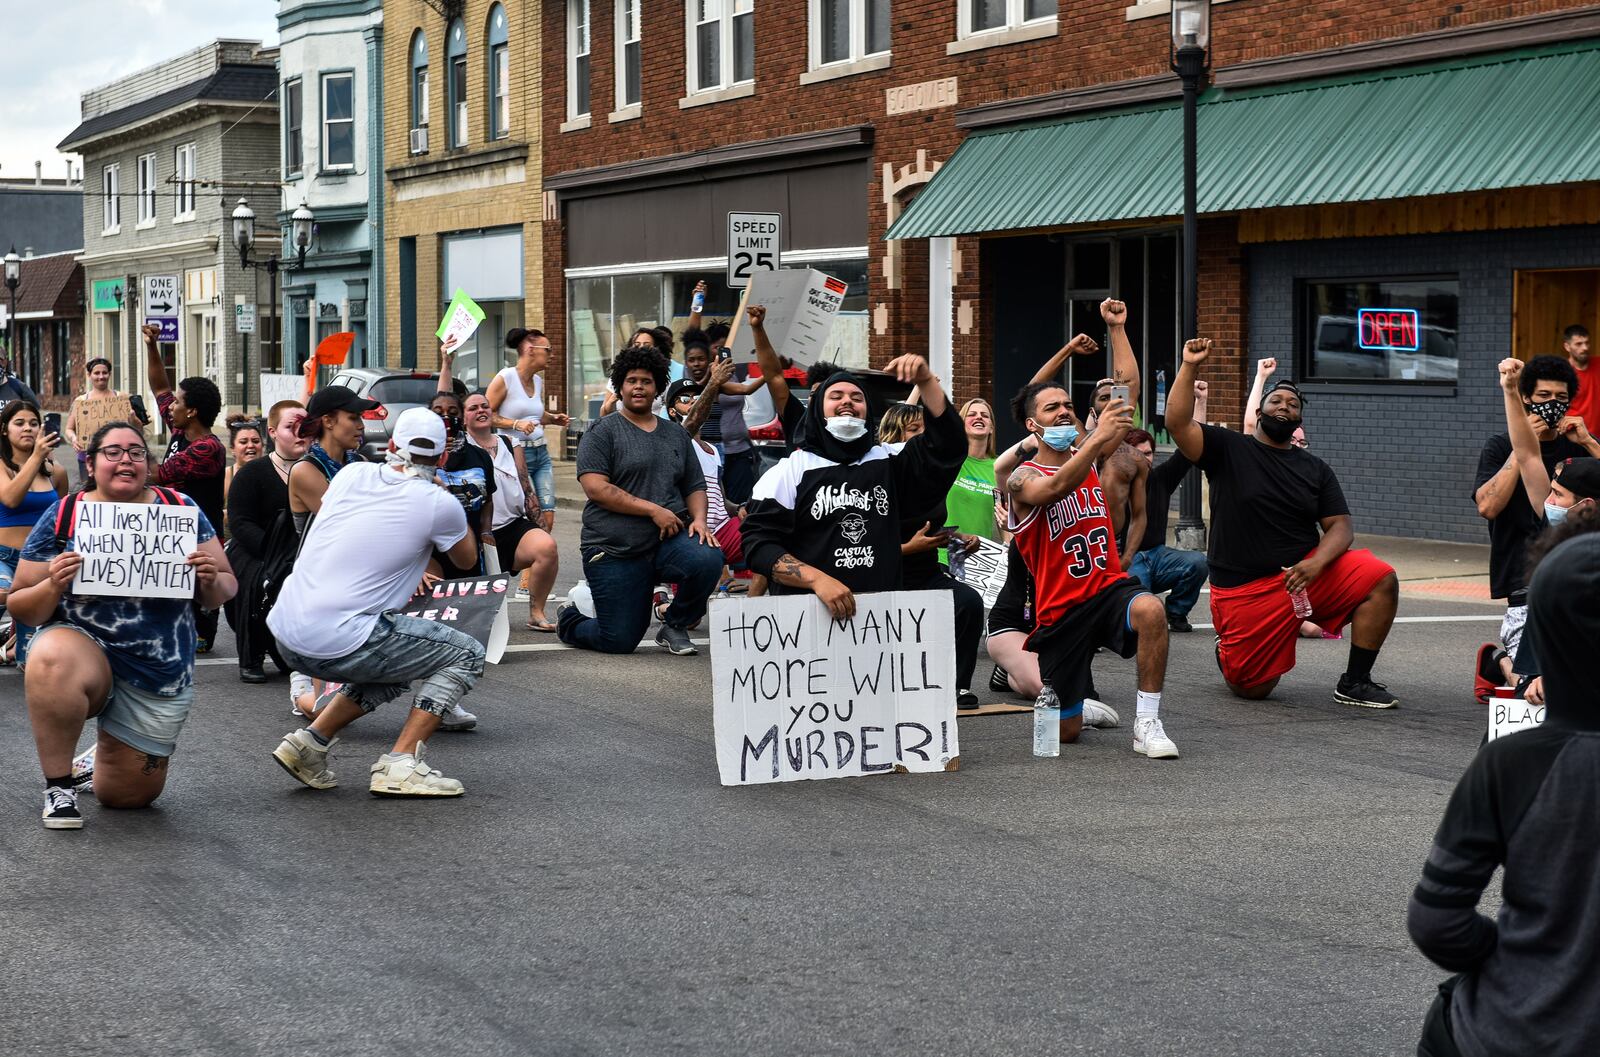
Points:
(1069, 547)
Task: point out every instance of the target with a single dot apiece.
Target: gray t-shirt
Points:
(659, 466)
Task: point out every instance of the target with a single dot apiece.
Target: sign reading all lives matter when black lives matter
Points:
(797, 694)
(135, 549)
(1507, 715)
(469, 606)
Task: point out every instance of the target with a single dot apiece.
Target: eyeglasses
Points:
(115, 452)
(683, 397)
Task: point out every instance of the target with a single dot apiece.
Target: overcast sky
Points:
(55, 49)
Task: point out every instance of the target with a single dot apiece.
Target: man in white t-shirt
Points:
(338, 615)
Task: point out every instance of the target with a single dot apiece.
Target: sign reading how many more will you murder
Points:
(135, 549)
(797, 694)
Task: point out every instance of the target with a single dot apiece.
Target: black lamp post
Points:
(13, 280)
(244, 237)
(1190, 58)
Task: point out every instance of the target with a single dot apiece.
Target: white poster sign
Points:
(1507, 715)
(135, 549)
(276, 387)
(985, 570)
(800, 304)
(755, 243)
(798, 695)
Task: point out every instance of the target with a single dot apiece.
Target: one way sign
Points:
(161, 304)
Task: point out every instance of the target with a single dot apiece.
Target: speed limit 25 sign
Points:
(753, 241)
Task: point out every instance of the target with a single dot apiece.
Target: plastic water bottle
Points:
(1301, 602)
(699, 303)
(1047, 723)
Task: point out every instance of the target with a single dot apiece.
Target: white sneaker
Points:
(1099, 714)
(458, 718)
(300, 755)
(405, 774)
(1151, 740)
(522, 595)
(83, 771)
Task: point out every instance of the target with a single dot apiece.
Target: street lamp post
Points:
(13, 280)
(244, 237)
(1190, 59)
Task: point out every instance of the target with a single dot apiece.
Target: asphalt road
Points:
(598, 892)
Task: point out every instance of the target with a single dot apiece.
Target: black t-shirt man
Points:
(1515, 526)
(1267, 505)
(1162, 482)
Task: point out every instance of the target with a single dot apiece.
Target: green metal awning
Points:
(1512, 119)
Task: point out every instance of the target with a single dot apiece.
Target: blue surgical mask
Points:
(1553, 514)
(1060, 437)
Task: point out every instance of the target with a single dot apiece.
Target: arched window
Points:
(419, 93)
(499, 78)
(456, 82)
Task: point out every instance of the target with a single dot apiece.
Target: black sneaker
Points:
(998, 681)
(254, 673)
(1180, 625)
(61, 809)
(967, 700)
(675, 640)
(1364, 693)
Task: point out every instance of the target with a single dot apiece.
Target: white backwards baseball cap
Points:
(419, 431)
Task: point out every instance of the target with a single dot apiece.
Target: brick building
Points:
(46, 338)
(461, 209)
(1362, 165)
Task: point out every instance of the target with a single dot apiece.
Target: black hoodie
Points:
(837, 505)
(1529, 802)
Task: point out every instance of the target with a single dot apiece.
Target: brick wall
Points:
(1407, 461)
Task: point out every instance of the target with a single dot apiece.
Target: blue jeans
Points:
(541, 473)
(9, 557)
(401, 649)
(1164, 569)
(622, 589)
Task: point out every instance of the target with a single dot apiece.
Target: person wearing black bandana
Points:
(1280, 527)
(1526, 806)
(466, 472)
(1541, 391)
(827, 518)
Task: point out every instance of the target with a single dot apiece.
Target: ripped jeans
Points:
(401, 649)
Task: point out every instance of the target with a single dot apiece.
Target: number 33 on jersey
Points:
(1069, 547)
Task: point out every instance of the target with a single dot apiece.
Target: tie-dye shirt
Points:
(149, 642)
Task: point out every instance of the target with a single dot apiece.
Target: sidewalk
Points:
(1446, 571)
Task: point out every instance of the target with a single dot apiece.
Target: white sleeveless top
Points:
(519, 404)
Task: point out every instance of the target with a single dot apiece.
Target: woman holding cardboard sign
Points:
(96, 406)
(29, 483)
(125, 661)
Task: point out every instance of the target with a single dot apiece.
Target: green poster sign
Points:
(107, 295)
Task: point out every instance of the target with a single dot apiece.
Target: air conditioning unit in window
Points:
(419, 140)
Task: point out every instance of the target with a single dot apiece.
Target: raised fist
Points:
(1196, 350)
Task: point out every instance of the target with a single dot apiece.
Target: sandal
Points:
(539, 625)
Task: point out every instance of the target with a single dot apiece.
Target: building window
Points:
(110, 203)
(210, 365)
(419, 93)
(577, 58)
(1380, 330)
(985, 16)
(499, 75)
(61, 358)
(848, 30)
(456, 82)
(183, 174)
(722, 50)
(147, 189)
(628, 57)
(293, 148)
(338, 121)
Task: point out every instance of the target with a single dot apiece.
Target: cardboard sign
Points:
(469, 606)
(1507, 715)
(800, 304)
(460, 321)
(799, 695)
(135, 549)
(92, 414)
(985, 570)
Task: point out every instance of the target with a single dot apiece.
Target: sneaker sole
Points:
(288, 765)
(1345, 699)
(1158, 754)
(690, 652)
(457, 728)
(402, 794)
(63, 823)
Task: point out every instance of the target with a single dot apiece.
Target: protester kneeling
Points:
(338, 615)
(126, 662)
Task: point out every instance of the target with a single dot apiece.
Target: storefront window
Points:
(1380, 330)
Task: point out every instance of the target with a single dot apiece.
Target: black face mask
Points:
(1551, 412)
(1278, 430)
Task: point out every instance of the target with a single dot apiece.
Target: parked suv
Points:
(395, 391)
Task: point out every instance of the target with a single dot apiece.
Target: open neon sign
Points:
(1388, 328)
